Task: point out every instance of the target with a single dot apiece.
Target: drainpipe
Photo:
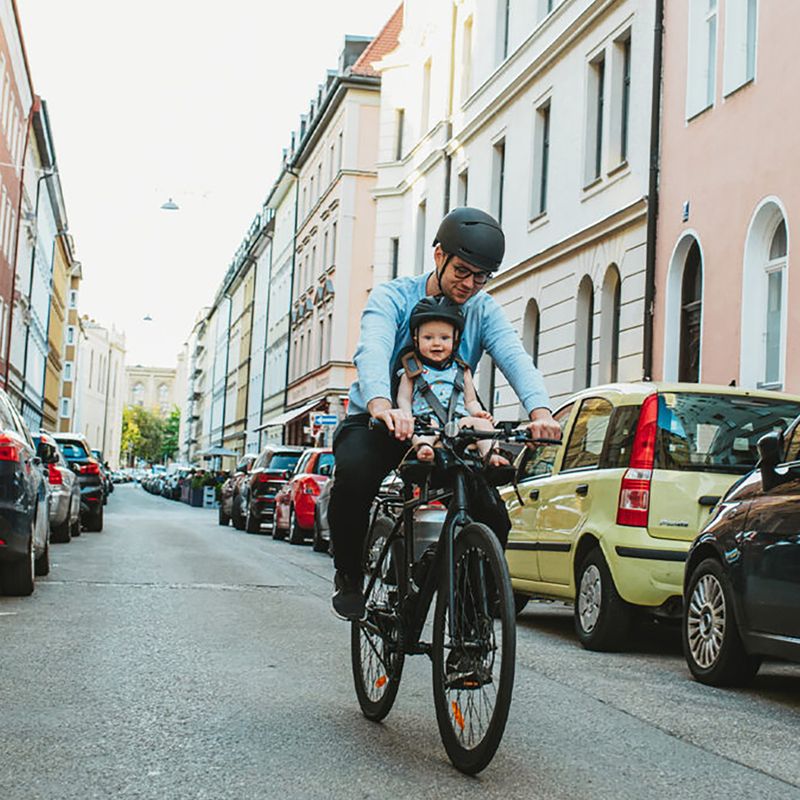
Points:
(291, 293)
(266, 340)
(652, 196)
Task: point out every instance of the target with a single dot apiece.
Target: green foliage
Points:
(171, 429)
(142, 434)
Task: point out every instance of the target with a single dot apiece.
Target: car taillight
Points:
(9, 449)
(634, 493)
(262, 477)
(92, 468)
(54, 475)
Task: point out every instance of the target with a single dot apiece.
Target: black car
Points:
(24, 505)
(78, 454)
(742, 585)
(257, 491)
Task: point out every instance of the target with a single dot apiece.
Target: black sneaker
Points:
(348, 596)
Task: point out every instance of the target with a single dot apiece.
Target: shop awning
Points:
(288, 416)
(218, 451)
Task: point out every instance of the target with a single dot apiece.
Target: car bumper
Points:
(15, 533)
(90, 497)
(59, 506)
(263, 508)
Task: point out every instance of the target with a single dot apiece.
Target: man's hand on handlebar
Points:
(400, 423)
(543, 426)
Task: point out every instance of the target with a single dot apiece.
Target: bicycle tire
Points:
(377, 660)
(488, 626)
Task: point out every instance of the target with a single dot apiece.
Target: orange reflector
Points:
(381, 682)
(457, 715)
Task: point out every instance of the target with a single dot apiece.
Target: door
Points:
(565, 502)
(770, 548)
(521, 551)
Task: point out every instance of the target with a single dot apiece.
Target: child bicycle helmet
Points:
(436, 308)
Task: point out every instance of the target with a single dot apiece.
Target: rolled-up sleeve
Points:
(380, 321)
(503, 344)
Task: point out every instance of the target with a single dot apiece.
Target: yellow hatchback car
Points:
(607, 517)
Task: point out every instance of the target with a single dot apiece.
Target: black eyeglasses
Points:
(479, 277)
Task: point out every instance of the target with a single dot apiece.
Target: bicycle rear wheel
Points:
(473, 672)
(376, 656)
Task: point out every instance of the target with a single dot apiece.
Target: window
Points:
(498, 178)
(91, 367)
(419, 266)
(319, 179)
(691, 309)
(774, 269)
(425, 120)
(588, 434)
(584, 333)
(73, 298)
(541, 158)
(333, 244)
(341, 149)
(466, 61)
(702, 51)
(328, 337)
(594, 118)
(399, 124)
(138, 394)
(741, 18)
(331, 155)
(70, 334)
(462, 189)
(609, 326)
(394, 254)
(68, 370)
(620, 98)
(545, 7)
(503, 13)
(325, 251)
(65, 408)
(541, 461)
(321, 342)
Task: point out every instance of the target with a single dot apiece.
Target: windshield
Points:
(716, 433)
(284, 460)
(72, 450)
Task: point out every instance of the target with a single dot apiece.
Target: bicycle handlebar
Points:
(506, 432)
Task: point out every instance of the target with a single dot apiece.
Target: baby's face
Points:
(435, 340)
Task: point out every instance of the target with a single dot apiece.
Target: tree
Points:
(172, 425)
(142, 434)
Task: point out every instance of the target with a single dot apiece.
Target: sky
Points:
(151, 99)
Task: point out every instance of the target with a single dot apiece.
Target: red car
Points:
(295, 502)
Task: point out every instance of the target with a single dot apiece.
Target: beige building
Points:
(335, 162)
(99, 399)
(153, 388)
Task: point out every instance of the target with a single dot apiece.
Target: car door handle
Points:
(582, 489)
(533, 494)
(708, 500)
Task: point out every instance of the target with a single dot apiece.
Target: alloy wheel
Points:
(590, 596)
(705, 621)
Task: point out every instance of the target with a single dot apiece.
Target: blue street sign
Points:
(325, 420)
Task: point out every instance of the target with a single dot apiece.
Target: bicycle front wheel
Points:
(375, 647)
(473, 658)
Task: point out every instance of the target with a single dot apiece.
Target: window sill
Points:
(592, 184)
(620, 168)
(698, 114)
(739, 88)
(539, 221)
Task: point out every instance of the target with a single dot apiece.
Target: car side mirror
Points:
(47, 452)
(770, 450)
(325, 470)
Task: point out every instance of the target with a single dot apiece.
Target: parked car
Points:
(742, 588)
(65, 492)
(229, 492)
(297, 499)
(77, 453)
(321, 540)
(609, 515)
(257, 492)
(24, 505)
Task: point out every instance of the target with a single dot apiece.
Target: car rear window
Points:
(716, 433)
(284, 460)
(325, 464)
(72, 449)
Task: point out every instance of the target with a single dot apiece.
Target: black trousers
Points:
(363, 459)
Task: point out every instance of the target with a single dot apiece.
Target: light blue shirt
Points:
(384, 334)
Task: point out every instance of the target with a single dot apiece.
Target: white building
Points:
(538, 112)
(101, 389)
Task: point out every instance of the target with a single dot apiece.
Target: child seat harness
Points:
(414, 370)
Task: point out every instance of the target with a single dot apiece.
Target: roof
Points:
(383, 44)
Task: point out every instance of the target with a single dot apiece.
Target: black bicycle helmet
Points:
(436, 308)
(473, 235)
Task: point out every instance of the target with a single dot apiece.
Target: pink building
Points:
(729, 200)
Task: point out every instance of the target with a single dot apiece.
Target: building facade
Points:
(101, 390)
(729, 199)
(152, 388)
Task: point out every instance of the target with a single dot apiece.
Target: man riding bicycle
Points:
(468, 248)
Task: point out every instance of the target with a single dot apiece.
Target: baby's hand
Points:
(483, 414)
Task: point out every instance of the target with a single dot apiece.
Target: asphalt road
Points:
(170, 658)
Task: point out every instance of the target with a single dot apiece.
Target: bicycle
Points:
(473, 644)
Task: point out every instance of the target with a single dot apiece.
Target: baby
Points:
(434, 381)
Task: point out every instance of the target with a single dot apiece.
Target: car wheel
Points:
(318, 543)
(520, 601)
(251, 524)
(223, 518)
(76, 527)
(712, 645)
(94, 520)
(60, 534)
(41, 566)
(296, 534)
(602, 618)
(17, 577)
(237, 517)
